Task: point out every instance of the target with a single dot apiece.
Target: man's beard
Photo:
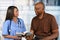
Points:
(39, 14)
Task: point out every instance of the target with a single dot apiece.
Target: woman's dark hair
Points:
(10, 12)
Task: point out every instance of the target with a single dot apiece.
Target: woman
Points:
(12, 24)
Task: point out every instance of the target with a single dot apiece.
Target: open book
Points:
(24, 34)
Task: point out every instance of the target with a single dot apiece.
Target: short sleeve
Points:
(32, 25)
(54, 24)
(23, 25)
(5, 28)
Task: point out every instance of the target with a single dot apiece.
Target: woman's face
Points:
(16, 13)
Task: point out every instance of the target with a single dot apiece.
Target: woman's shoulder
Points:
(7, 21)
(20, 19)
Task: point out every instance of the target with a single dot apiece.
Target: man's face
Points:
(39, 9)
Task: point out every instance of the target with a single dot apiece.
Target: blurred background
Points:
(26, 11)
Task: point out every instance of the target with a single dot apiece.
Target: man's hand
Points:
(29, 37)
(45, 39)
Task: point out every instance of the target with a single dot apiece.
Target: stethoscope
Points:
(19, 23)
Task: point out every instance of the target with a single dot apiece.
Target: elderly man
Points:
(44, 25)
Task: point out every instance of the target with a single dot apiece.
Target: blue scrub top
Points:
(14, 28)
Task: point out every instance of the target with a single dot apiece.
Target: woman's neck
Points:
(15, 19)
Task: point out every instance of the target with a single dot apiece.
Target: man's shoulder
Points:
(49, 15)
(34, 18)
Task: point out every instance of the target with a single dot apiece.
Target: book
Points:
(23, 34)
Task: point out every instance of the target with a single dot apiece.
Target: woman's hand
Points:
(16, 37)
(12, 37)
